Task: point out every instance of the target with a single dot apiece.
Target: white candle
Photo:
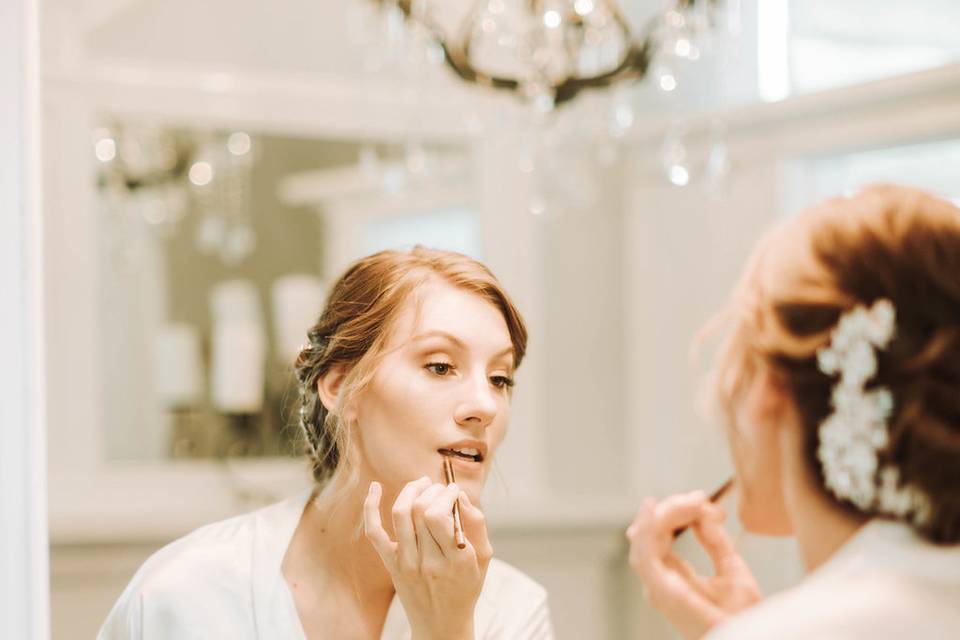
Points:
(297, 303)
(235, 301)
(177, 366)
(238, 367)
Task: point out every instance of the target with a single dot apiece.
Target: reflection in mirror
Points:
(209, 279)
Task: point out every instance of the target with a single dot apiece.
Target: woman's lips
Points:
(470, 454)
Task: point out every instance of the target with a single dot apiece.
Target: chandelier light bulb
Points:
(583, 7)
(239, 143)
(679, 175)
(667, 81)
(675, 19)
(201, 173)
(551, 19)
(538, 204)
(106, 149)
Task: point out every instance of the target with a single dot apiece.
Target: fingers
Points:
(651, 532)
(427, 540)
(680, 566)
(373, 526)
(639, 520)
(694, 603)
(681, 510)
(717, 542)
(403, 526)
(438, 519)
(475, 529)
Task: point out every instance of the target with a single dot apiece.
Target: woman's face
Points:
(757, 448)
(444, 384)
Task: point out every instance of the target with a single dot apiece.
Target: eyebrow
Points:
(455, 340)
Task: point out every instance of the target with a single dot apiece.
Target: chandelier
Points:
(150, 178)
(549, 52)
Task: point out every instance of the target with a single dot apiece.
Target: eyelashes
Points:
(439, 368)
(502, 382)
(444, 369)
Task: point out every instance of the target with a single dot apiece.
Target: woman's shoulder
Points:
(219, 545)
(504, 582)
(873, 604)
(206, 574)
(220, 549)
(512, 605)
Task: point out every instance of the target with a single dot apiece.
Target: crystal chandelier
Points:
(549, 52)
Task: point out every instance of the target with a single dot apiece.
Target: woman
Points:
(840, 382)
(411, 361)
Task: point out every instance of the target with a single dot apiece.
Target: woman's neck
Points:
(820, 526)
(821, 529)
(329, 549)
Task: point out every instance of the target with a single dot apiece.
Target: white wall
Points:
(685, 248)
(23, 532)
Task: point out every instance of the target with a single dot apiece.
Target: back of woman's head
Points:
(885, 243)
(355, 327)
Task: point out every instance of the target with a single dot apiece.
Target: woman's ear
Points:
(328, 387)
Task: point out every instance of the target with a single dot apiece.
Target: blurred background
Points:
(210, 167)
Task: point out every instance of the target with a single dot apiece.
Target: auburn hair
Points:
(355, 326)
(887, 242)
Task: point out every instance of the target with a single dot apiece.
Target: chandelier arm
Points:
(633, 66)
(456, 58)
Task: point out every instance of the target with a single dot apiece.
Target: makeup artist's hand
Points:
(437, 583)
(693, 603)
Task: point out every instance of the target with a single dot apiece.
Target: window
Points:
(449, 229)
(812, 45)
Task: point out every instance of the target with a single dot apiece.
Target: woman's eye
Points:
(501, 382)
(439, 368)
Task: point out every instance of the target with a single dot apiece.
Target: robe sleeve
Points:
(536, 626)
(125, 620)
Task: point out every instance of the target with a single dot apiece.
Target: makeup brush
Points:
(716, 496)
(457, 523)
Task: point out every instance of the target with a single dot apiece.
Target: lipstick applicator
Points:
(715, 497)
(457, 523)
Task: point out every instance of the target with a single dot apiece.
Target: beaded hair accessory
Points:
(856, 431)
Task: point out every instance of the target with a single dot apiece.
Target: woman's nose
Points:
(478, 406)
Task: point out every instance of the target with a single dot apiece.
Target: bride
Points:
(410, 363)
(840, 382)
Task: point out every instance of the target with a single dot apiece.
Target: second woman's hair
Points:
(887, 242)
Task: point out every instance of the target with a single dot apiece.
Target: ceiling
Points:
(311, 38)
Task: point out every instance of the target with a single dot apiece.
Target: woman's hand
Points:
(438, 584)
(693, 603)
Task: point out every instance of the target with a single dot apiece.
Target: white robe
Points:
(885, 583)
(224, 581)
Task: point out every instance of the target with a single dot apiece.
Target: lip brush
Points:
(457, 523)
(714, 497)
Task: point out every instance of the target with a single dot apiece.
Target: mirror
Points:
(215, 261)
(210, 168)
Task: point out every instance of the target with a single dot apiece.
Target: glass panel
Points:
(452, 230)
(812, 45)
(209, 279)
(933, 166)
